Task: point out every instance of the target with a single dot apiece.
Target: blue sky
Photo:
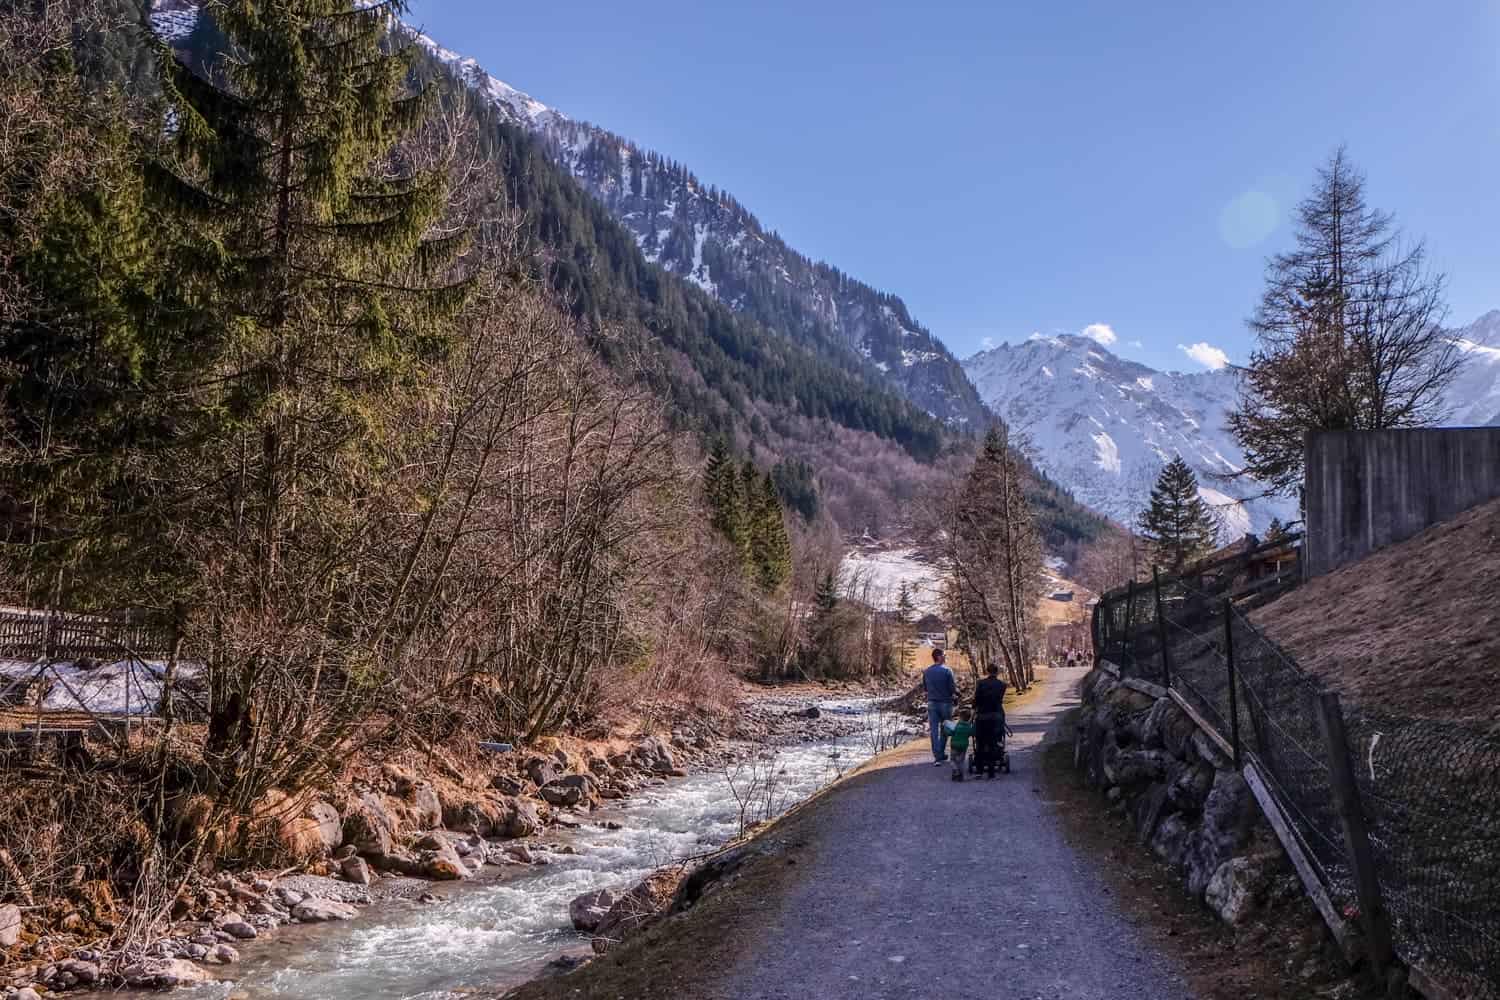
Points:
(1011, 167)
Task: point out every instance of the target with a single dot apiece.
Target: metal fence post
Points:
(1127, 640)
(1234, 697)
(1161, 629)
(1372, 912)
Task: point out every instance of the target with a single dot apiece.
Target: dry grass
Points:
(1413, 629)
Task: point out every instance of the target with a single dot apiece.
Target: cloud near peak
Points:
(1206, 355)
(1100, 333)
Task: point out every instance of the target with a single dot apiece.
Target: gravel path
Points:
(921, 887)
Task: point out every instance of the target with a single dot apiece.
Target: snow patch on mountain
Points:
(1104, 426)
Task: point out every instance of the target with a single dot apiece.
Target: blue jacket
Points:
(939, 683)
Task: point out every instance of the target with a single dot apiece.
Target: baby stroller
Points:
(1002, 760)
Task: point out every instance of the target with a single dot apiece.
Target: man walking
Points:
(941, 688)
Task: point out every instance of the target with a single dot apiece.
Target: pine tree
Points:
(771, 547)
(1178, 524)
(1275, 531)
(723, 489)
(322, 284)
(906, 609)
(94, 367)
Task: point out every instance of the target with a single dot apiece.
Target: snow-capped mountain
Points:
(1103, 425)
(713, 241)
(1474, 397)
(702, 234)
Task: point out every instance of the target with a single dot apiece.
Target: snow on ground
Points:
(885, 569)
(127, 687)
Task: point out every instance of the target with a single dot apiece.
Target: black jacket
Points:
(989, 696)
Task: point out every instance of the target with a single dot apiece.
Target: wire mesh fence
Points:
(1429, 791)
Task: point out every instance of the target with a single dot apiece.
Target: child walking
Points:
(959, 733)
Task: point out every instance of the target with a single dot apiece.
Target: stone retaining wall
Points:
(1184, 796)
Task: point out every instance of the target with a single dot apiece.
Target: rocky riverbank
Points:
(392, 831)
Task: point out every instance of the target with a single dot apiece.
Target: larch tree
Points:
(1349, 333)
(1178, 524)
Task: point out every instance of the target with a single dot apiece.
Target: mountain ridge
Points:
(1103, 425)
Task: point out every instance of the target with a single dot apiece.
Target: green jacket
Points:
(959, 733)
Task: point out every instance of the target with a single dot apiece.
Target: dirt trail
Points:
(921, 887)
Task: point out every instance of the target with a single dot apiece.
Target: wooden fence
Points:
(57, 636)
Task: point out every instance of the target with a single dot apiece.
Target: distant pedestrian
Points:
(989, 720)
(941, 688)
(958, 738)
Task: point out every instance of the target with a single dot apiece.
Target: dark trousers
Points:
(988, 735)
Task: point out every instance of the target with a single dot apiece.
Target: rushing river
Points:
(489, 934)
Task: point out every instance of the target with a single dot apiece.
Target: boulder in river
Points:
(357, 870)
(589, 910)
(164, 974)
(444, 864)
(240, 930)
(314, 910)
(222, 954)
(571, 790)
(654, 755)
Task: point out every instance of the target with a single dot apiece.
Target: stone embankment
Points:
(392, 831)
(1184, 796)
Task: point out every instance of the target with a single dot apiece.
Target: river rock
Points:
(368, 825)
(519, 852)
(25, 993)
(541, 770)
(240, 930)
(223, 954)
(589, 910)
(510, 784)
(314, 910)
(654, 755)
(10, 925)
(430, 841)
(164, 974)
(426, 807)
(632, 909)
(79, 972)
(444, 864)
(357, 870)
(330, 824)
(523, 820)
(571, 790)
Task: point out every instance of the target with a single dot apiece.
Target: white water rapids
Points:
(496, 934)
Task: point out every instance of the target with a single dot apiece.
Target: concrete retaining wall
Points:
(1369, 489)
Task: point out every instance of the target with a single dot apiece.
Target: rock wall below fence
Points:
(1184, 796)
